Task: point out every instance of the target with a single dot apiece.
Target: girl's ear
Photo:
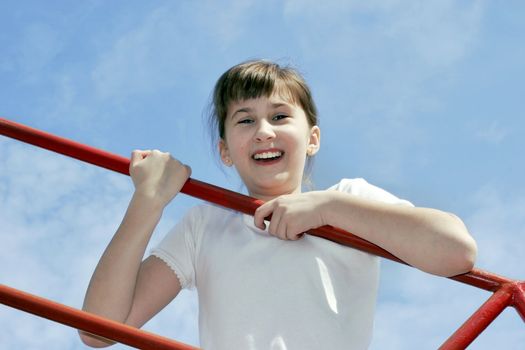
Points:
(314, 142)
(225, 153)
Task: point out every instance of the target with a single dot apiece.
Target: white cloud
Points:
(430, 33)
(439, 32)
(142, 60)
(494, 133)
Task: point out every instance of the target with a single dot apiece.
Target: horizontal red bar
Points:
(87, 322)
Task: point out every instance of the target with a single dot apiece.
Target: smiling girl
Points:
(263, 284)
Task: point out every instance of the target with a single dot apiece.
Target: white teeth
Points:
(267, 155)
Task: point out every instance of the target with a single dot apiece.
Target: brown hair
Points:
(253, 79)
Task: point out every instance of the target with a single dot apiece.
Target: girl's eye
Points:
(280, 117)
(245, 121)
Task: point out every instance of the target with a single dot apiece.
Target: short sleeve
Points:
(179, 247)
(361, 188)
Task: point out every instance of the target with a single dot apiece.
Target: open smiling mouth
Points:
(267, 157)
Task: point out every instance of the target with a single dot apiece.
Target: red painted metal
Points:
(482, 279)
(507, 291)
(519, 299)
(88, 322)
(480, 319)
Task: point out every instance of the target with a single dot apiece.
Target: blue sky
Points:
(421, 98)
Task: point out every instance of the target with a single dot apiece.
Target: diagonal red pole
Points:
(87, 322)
(481, 319)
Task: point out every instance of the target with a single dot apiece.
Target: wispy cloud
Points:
(160, 53)
(56, 216)
(494, 133)
(498, 223)
(37, 47)
(387, 57)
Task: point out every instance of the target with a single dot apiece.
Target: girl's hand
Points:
(293, 214)
(157, 175)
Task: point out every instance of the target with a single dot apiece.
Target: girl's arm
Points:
(428, 239)
(123, 288)
(431, 240)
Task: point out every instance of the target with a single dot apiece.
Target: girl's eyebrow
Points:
(249, 109)
(240, 110)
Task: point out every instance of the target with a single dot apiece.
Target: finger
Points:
(261, 213)
(282, 229)
(273, 229)
(294, 229)
(295, 237)
(292, 234)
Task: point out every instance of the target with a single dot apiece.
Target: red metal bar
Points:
(480, 319)
(519, 299)
(88, 322)
(229, 199)
(483, 279)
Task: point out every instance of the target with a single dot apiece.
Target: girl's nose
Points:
(264, 132)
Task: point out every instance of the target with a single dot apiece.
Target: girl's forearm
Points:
(111, 289)
(428, 239)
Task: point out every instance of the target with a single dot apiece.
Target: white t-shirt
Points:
(257, 292)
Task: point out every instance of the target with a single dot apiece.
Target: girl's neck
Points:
(267, 196)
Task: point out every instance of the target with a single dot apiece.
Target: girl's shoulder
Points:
(362, 188)
(349, 185)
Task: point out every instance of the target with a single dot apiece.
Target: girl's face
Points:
(267, 139)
